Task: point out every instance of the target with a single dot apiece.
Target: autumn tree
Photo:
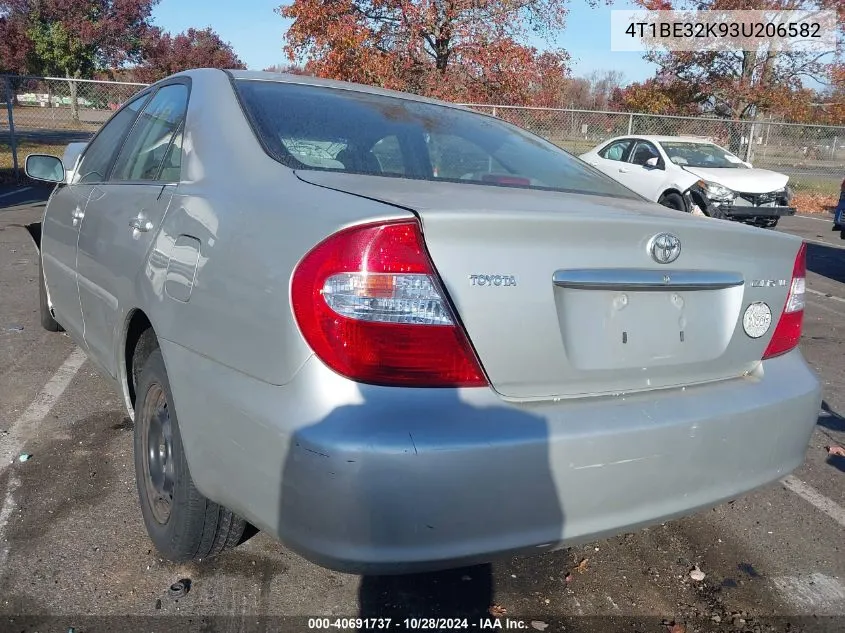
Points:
(290, 69)
(71, 38)
(740, 84)
(164, 54)
(658, 95)
(466, 50)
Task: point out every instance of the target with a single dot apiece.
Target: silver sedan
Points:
(399, 335)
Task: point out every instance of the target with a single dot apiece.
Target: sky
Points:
(255, 32)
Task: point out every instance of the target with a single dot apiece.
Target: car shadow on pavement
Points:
(837, 461)
(826, 261)
(391, 481)
(829, 419)
(28, 193)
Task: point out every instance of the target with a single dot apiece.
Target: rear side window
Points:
(312, 127)
(617, 150)
(149, 142)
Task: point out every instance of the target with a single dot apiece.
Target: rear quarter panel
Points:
(253, 220)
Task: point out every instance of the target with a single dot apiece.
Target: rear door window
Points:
(149, 142)
(617, 150)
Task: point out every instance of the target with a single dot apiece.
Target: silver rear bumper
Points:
(383, 480)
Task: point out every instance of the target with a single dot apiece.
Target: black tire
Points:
(47, 321)
(673, 201)
(189, 527)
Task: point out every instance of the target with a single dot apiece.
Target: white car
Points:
(687, 172)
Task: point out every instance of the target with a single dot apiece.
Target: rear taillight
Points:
(788, 329)
(369, 303)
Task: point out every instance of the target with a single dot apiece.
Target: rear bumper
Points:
(384, 480)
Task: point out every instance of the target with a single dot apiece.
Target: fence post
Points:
(630, 124)
(12, 140)
(748, 148)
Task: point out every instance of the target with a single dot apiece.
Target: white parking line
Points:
(15, 192)
(812, 217)
(825, 295)
(814, 497)
(22, 429)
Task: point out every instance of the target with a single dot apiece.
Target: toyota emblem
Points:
(664, 248)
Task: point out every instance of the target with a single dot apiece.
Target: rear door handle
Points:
(623, 170)
(77, 215)
(141, 223)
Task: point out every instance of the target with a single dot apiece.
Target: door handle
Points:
(623, 170)
(141, 223)
(77, 215)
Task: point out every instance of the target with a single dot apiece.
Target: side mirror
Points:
(44, 167)
(652, 162)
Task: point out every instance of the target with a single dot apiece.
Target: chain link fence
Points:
(44, 114)
(812, 155)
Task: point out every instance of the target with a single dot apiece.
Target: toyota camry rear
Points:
(400, 335)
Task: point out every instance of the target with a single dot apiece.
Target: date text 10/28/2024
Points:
(416, 624)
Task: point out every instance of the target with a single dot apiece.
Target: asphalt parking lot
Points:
(74, 553)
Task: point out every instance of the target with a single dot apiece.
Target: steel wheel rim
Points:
(158, 453)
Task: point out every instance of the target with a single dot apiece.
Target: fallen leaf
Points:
(836, 450)
(540, 626)
(813, 202)
(582, 566)
(497, 611)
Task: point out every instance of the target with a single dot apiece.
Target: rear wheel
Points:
(673, 201)
(181, 522)
(47, 321)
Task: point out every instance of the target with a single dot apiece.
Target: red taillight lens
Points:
(788, 330)
(368, 302)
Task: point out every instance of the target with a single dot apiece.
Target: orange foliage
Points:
(464, 50)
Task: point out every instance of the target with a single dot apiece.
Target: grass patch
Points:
(25, 148)
(813, 185)
(7, 174)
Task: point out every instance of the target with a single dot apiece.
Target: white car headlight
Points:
(715, 191)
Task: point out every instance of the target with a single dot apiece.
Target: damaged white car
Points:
(694, 175)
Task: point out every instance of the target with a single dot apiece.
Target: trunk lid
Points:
(560, 296)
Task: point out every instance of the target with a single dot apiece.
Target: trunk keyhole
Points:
(624, 337)
(682, 336)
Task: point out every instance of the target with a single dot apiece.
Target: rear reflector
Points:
(788, 330)
(368, 302)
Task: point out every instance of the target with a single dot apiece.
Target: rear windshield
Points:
(311, 127)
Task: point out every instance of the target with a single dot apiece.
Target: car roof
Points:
(307, 80)
(658, 138)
